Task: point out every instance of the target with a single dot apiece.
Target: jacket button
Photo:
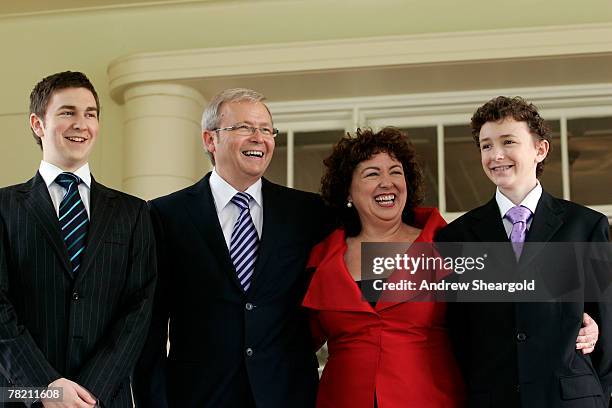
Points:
(249, 352)
(248, 306)
(75, 296)
(521, 336)
(518, 388)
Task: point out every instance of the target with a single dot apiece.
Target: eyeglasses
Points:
(246, 130)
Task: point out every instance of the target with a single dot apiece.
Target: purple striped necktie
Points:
(518, 216)
(244, 242)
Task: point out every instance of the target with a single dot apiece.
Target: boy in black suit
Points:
(77, 265)
(523, 354)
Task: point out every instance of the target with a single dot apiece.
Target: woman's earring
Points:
(349, 204)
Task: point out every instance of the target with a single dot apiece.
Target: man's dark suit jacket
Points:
(227, 347)
(89, 327)
(523, 354)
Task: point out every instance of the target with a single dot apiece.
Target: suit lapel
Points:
(101, 215)
(390, 299)
(272, 226)
(547, 220)
(332, 287)
(487, 223)
(201, 209)
(488, 226)
(37, 202)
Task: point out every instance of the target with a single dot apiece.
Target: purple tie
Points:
(244, 241)
(518, 216)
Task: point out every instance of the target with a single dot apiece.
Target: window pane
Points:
(277, 170)
(590, 157)
(310, 149)
(466, 185)
(552, 178)
(425, 143)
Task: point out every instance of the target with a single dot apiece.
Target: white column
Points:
(163, 150)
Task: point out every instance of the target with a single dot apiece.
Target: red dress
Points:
(400, 350)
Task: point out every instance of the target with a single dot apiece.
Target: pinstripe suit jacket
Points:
(88, 328)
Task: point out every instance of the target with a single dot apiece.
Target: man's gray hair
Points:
(212, 114)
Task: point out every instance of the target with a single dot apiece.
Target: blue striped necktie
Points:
(244, 242)
(73, 218)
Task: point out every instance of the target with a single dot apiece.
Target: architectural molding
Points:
(164, 89)
(548, 99)
(74, 7)
(358, 54)
(23, 113)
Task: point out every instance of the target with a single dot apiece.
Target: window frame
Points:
(438, 110)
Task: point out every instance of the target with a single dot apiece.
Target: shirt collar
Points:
(49, 173)
(530, 201)
(223, 191)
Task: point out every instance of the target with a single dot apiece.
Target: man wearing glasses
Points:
(232, 250)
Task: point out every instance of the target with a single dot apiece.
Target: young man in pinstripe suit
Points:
(77, 266)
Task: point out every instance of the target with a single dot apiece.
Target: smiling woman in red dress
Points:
(386, 354)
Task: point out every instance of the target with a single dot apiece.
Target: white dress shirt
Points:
(530, 201)
(49, 173)
(228, 212)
